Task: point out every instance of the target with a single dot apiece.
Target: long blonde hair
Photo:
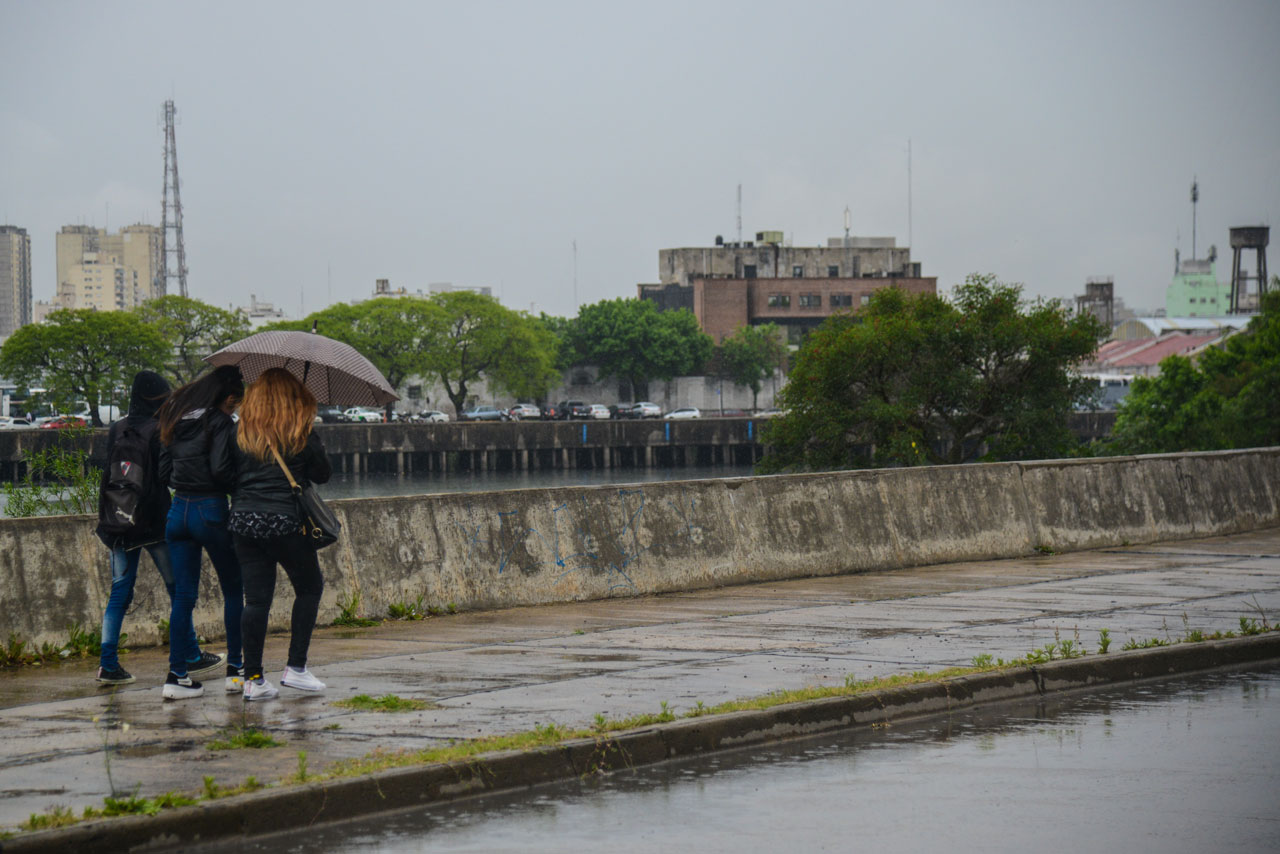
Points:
(277, 412)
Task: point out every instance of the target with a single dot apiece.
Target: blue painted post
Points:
(584, 434)
(750, 426)
(668, 426)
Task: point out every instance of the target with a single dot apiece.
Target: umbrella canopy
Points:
(334, 372)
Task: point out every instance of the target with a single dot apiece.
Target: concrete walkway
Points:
(63, 740)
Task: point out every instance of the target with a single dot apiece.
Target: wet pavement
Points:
(1186, 764)
(64, 741)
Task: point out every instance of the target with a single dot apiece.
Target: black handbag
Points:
(318, 521)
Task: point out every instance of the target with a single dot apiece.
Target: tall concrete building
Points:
(730, 285)
(15, 279)
(106, 271)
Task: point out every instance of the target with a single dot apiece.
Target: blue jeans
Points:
(124, 573)
(200, 522)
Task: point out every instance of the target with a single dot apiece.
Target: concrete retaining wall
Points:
(524, 547)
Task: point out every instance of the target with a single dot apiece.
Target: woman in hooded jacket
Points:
(275, 432)
(149, 391)
(196, 435)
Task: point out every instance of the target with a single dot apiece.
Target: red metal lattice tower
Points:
(171, 218)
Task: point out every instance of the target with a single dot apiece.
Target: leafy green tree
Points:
(750, 356)
(194, 329)
(83, 355)
(474, 336)
(917, 379)
(630, 339)
(1229, 399)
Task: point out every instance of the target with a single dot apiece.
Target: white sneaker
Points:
(300, 679)
(181, 687)
(259, 689)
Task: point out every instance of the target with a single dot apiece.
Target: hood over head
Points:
(149, 391)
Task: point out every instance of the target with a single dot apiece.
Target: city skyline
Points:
(526, 150)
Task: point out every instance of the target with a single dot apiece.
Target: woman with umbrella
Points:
(274, 434)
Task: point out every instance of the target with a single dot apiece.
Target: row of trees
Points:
(458, 338)
(87, 356)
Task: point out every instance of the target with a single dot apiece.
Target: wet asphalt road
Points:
(1187, 764)
(64, 741)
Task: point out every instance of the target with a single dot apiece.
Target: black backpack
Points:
(127, 482)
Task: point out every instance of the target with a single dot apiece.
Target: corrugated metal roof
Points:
(1176, 343)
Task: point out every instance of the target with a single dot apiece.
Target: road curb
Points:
(272, 810)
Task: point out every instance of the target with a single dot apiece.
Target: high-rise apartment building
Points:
(109, 271)
(15, 279)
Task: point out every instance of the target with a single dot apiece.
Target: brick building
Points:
(728, 286)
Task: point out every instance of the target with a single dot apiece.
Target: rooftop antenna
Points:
(848, 220)
(739, 214)
(1195, 197)
(910, 243)
(171, 214)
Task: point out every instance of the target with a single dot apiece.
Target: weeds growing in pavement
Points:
(414, 610)
(244, 737)
(1104, 641)
(349, 613)
(385, 703)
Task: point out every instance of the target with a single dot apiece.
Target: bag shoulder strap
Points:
(293, 483)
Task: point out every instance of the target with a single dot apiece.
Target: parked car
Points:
(363, 414)
(683, 413)
(330, 414)
(771, 413)
(573, 409)
(645, 409)
(522, 411)
(600, 412)
(549, 412)
(8, 422)
(433, 416)
(620, 410)
(483, 413)
(62, 422)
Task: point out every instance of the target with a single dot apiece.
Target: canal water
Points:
(1190, 764)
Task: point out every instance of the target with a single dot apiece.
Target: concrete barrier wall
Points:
(525, 547)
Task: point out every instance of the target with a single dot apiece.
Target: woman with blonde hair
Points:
(266, 523)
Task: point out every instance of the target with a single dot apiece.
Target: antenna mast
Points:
(739, 214)
(1195, 197)
(171, 216)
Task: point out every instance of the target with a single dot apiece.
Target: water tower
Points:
(1244, 238)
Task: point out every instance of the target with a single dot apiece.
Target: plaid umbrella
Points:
(333, 371)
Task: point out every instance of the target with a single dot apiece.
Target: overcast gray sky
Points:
(323, 145)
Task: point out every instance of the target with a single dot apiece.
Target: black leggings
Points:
(258, 560)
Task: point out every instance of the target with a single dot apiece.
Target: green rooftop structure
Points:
(1195, 290)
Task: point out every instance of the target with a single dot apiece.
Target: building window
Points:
(841, 300)
(811, 300)
(748, 271)
(779, 300)
(833, 272)
(795, 335)
(866, 298)
(797, 272)
(415, 392)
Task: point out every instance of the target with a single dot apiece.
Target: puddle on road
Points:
(1179, 765)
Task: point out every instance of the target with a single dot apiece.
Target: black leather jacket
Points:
(198, 461)
(262, 486)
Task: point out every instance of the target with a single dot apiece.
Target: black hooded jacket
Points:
(198, 461)
(145, 397)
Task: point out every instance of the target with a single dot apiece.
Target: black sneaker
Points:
(181, 687)
(206, 662)
(118, 676)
